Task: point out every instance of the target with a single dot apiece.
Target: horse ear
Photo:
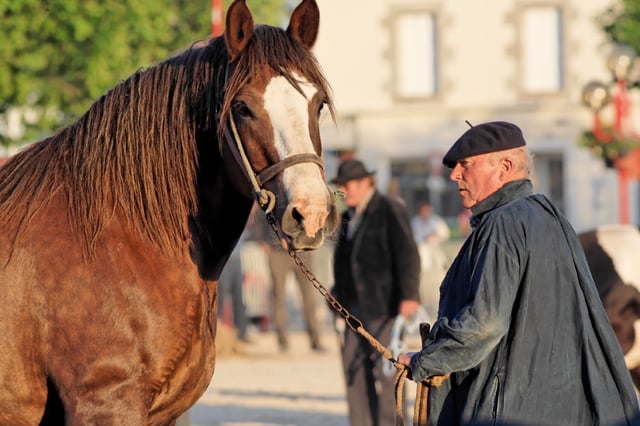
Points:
(304, 23)
(239, 28)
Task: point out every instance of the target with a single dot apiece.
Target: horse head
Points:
(611, 252)
(274, 96)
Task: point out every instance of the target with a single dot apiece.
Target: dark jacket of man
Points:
(521, 326)
(380, 265)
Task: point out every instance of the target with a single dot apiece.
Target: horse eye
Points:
(242, 110)
(322, 107)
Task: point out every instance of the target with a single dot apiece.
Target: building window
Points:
(415, 54)
(548, 177)
(542, 49)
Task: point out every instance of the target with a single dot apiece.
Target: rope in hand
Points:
(422, 391)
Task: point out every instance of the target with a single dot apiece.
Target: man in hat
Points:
(376, 274)
(521, 330)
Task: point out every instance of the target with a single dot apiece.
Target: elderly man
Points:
(521, 329)
(376, 273)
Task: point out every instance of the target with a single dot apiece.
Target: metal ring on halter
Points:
(266, 200)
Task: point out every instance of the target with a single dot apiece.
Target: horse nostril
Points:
(303, 219)
(297, 216)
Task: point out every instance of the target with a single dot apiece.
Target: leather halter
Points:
(266, 199)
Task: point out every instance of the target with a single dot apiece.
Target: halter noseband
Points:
(266, 199)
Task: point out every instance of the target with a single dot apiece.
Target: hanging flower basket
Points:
(616, 151)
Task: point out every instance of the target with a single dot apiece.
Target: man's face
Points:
(477, 177)
(355, 190)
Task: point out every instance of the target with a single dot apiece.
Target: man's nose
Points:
(455, 173)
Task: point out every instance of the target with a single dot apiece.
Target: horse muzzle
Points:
(306, 229)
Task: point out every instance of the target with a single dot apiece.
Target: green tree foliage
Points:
(620, 22)
(58, 56)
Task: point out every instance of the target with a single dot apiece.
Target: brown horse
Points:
(115, 230)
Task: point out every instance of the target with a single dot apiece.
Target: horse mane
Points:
(135, 151)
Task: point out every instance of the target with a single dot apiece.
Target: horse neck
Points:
(223, 212)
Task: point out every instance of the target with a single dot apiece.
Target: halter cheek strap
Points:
(266, 199)
(270, 172)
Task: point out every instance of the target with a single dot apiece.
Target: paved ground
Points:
(265, 387)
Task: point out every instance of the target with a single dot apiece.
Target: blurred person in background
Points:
(376, 277)
(281, 265)
(430, 231)
(231, 302)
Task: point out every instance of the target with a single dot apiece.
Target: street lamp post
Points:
(597, 95)
(216, 18)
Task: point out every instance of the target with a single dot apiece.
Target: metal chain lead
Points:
(353, 322)
(420, 409)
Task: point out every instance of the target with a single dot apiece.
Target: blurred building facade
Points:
(406, 74)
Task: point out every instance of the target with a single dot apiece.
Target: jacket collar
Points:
(509, 192)
(362, 205)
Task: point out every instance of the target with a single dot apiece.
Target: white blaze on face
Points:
(289, 113)
(622, 244)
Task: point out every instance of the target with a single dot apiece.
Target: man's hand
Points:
(405, 359)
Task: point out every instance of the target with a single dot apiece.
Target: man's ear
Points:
(507, 168)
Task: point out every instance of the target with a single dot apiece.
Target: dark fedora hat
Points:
(350, 170)
(483, 139)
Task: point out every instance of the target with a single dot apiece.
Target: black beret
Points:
(484, 138)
